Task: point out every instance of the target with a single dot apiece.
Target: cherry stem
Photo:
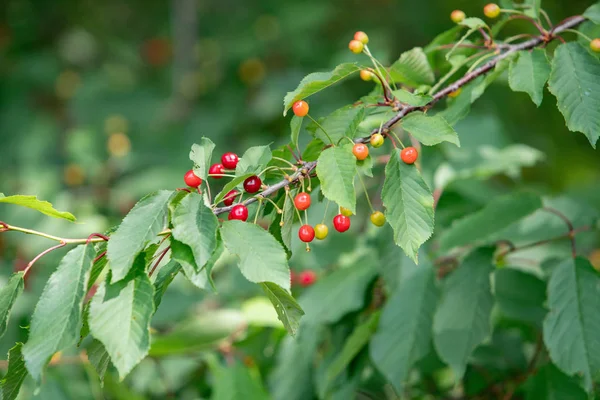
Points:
(261, 197)
(98, 235)
(286, 161)
(6, 227)
(208, 192)
(99, 257)
(43, 253)
(397, 138)
(260, 200)
(548, 21)
(583, 35)
(385, 90)
(519, 15)
(221, 175)
(162, 255)
(325, 213)
(294, 154)
(362, 183)
(323, 129)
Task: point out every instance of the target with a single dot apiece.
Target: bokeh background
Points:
(100, 102)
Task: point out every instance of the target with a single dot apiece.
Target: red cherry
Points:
(230, 197)
(239, 212)
(252, 184)
(307, 277)
(216, 170)
(409, 155)
(306, 233)
(229, 160)
(360, 151)
(300, 108)
(302, 201)
(191, 179)
(341, 223)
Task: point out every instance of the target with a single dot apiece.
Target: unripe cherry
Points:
(229, 160)
(230, 197)
(191, 179)
(360, 151)
(455, 93)
(216, 170)
(409, 155)
(361, 37)
(239, 212)
(377, 140)
(377, 218)
(252, 184)
(366, 75)
(341, 223)
(491, 10)
(300, 108)
(457, 16)
(345, 211)
(307, 278)
(595, 45)
(306, 233)
(302, 201)
(356, 46)
(321, 231)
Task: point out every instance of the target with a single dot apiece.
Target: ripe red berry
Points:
(306, 233)
(595, 45)
(216, 170)
(360, 151)
(191, 179)
(252, 184)
(457, 16)
(409, 155)
(361, 37)
(239, 212)
(356, 46)
(341, 223)
(230, 197)
(229, 160)
(300, 108)
(302, 201)
(307, 277)
(491, 10)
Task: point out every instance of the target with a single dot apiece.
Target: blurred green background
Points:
(101, 101)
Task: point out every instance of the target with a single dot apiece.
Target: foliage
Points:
(477, 285)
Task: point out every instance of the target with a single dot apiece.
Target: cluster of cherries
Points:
(229, 161)
(493, 10)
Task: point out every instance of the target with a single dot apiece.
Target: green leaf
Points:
(201, 155)
(412, 69)
(8, 296)
(520, 295)
(99, 358)
(16, 374)
(529, 73)
(139, 229)
(495, 216)
(549, 383)
(295, 125)
(404, 333)
(120, 315)
(429, 130)
(341, 123)
(253, 161)
(288, 310)
(593, 13)
(480, 88)
(409, 205)
(534, 8)
(261, 256)
(338, 293)
(164, 277)
(316, 82)
(204, 331)
(56, 320)
(336, 168)
(39, 205)
(353, 345)
(199, 277)
(575, 81)
(460, 107)
(406, 97)
(473, 23)
(235, 382)
(232, 184)
(573, 322)
(462, 319)
(195, 225)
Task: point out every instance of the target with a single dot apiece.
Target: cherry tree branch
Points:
(307, 167)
